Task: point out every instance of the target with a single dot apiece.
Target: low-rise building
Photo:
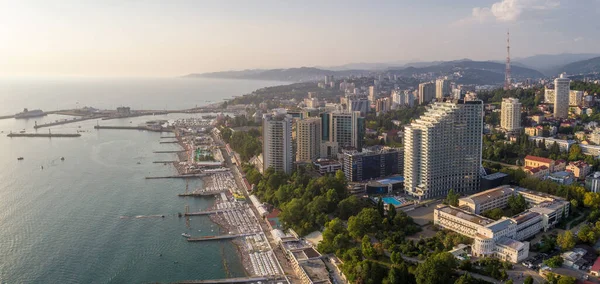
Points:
(325, 166)
(590, 150)
(562, 177)
(580, 169)
(592, 182)
(503, 238)
(564, 145)
(537, 172)
(487, 200)
(535, 161)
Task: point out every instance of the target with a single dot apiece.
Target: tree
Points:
(517, 204)
(554, 262)
(495, 213)
(367, 221)
(566, 280)
(367, 247)
(436, 269)
(348, 207)
(528, 280)
(380, 207)
(452, 198)
(466, 279)
(566, 240)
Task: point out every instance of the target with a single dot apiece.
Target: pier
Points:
(178, 176)
(133, 128)
(164, 152)
(164, 162)
(66, 121)
(7, 116)
(202, 193)
(44, 135)
(226, 280)
(216, 238)
(169, 142)
(168, 137)
(207, 212)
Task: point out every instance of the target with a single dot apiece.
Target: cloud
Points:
(509, 10)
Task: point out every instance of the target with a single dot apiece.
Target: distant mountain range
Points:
(587, 66)
(467, 71)
(551, 64)
(473, 72)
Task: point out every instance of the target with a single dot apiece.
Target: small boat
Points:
(62, 158)
(22, 131)
(20, 158)
(139, 163)
(186, 235)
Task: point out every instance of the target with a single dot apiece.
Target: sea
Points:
(93, 217)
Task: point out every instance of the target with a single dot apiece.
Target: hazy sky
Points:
(171, 38)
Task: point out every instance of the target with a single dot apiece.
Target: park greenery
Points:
(246, 143)
(554, 262)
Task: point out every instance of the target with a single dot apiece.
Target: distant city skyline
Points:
(159, 38)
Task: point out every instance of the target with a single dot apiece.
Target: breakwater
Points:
(44, 135)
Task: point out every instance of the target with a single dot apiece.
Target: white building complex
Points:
(277, 141)
(442, 149)
(308, 139)
(504, 238)
(510, 119)
(562, 86)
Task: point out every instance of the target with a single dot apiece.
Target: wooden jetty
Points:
(209, 212)
(178, 176)
(202, 193)
(227, 280)
(44, 135)
(216, 238)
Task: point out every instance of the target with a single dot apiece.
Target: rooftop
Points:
(508, 242)
(500, 225)
(491, 194)
(316, 270)
(495, 176)
(539, 159)
(525, 216)
(479, 220)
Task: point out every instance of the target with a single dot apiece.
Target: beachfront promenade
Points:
(229, 280)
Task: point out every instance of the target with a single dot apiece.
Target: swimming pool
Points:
(392, 200)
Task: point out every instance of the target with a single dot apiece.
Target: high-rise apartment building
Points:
(308, 138)
(383, 105)
(277, 141)
(442, 149)
(575, 98)
(347, 129)
(442, 88)
(371, 164)
(510, 119)
(372, 94)
(426, 92)
(361, 105)
(562, 86)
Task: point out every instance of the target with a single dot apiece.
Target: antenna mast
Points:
(507, 84)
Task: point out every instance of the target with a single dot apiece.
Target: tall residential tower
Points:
(510, 119)
(277, 141)
(442, 149)
(308, 138)
(562, 86)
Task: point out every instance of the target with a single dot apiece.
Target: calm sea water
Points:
(161, 93)
(62, 223)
